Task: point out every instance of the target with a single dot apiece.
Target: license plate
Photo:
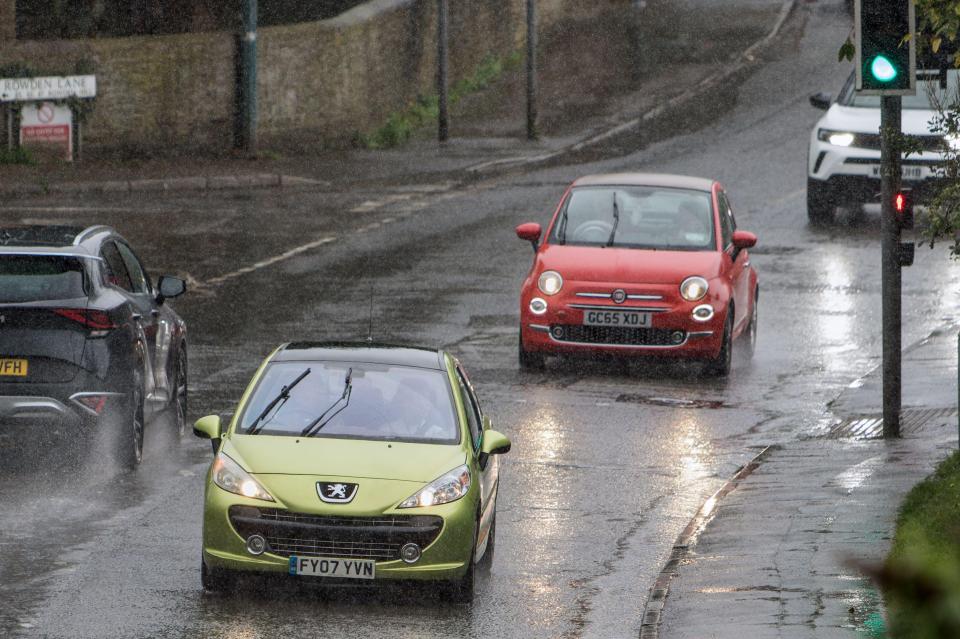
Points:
(13, 367)
(907, 172)
(629, 319)
(331, 567)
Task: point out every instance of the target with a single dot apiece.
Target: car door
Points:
(739, 261)
(489, 472)
(132, 283)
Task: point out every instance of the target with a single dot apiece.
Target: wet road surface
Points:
(609, 461)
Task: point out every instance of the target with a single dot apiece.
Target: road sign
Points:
(47, 88)
(47, 129)
(886, 57)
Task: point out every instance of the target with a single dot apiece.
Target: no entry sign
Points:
(46, 128)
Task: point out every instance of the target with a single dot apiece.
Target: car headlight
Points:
(836, 138)
(228, 475)
(550, 282)
(443, 490)
(694, 288)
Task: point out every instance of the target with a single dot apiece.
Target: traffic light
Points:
(903, 207)
(886, 56)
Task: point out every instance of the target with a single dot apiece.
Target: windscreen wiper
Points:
(282, 396)
(616, 219)
(314, 427)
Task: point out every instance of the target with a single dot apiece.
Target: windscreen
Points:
(36, 278)
(637, 217)
(354, 400)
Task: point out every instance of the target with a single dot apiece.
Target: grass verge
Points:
(921, 577)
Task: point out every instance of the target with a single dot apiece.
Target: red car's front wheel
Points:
(527, 359)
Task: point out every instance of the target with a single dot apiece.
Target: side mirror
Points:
(493, 443)
(169, 287)
(821, 100)
(744, 240)
(208, 428)
(530, 232)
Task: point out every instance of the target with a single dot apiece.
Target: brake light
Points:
(96, 403)
(94, 320)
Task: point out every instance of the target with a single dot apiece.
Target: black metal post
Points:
(247, 138)
(443, 116)
(890, 129)
(532, 132)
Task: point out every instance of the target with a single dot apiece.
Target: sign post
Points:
(43, 123)
(47, 128)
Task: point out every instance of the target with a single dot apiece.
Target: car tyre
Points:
(213, 580)
(821, 207)
(178, 403)
(750, 343)
(129, 444)
(720, 366)
(460, 591)
(529, 360)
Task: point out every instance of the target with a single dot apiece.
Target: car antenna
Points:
(370, 315)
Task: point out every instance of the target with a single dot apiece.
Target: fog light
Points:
(410, 553)
(677, 337)
(538, 306)
(703, 313)
(557, 332)
(256, 544)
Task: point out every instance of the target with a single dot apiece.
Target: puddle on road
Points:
(671, 402)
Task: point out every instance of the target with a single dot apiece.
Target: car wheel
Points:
(178, 403)
(720, 366)
(487, 560)
(129, 444)
(213, 580)
(820, 205)
(528, 360)
(460, 591)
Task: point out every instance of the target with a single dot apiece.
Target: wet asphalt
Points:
(609, 461)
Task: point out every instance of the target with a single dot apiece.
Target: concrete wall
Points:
(323, 79)
(8, 24)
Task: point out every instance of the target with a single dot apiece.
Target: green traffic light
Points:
(882, 69)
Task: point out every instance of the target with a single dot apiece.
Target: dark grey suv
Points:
(88, 343)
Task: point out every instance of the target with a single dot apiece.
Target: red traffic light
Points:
(900, 202)
(903, 206)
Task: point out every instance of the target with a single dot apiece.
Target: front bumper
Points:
(446, 556)
(672, 333)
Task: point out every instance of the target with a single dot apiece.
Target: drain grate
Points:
(871, 426)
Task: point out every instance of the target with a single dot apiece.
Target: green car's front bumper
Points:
(446, 557)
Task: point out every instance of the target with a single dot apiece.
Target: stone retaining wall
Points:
(324, 80)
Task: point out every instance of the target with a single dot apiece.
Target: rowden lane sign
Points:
(47, 88)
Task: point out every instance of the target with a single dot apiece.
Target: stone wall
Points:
(324, 79)
(8, 22)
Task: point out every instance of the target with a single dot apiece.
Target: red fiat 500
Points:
(640, 264)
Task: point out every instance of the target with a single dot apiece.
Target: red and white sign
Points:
(47, 128)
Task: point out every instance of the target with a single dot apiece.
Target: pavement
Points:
(773, 553)
(777, 553)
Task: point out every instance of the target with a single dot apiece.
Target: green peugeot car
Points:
(349, 462)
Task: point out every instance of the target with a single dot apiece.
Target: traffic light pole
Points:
(890, 128)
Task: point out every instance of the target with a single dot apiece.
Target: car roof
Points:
(646, 179)
(57, 239)
(365, 352)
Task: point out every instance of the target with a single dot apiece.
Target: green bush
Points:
(16, 155)
(921, 577)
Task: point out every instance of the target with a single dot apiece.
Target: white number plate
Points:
(630, 319)
(331, 567)
(907, 172)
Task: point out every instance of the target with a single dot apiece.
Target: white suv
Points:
(843, 165)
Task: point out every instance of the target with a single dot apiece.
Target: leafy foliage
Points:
(921, 577)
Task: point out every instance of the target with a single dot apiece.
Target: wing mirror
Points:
(821, 100)
(530, 232)
(169, 287)
(493, 443)
(744, 239)
(209, 428)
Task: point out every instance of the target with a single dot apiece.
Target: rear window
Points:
(38, 278)
(378, 403)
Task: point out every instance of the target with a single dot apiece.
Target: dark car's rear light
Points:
(94, 320)
(93, 402)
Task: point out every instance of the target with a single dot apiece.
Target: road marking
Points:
(270, 261)
(73, 209)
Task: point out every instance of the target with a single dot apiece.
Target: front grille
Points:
(932, 143)
(616, 335)
(289, 533)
